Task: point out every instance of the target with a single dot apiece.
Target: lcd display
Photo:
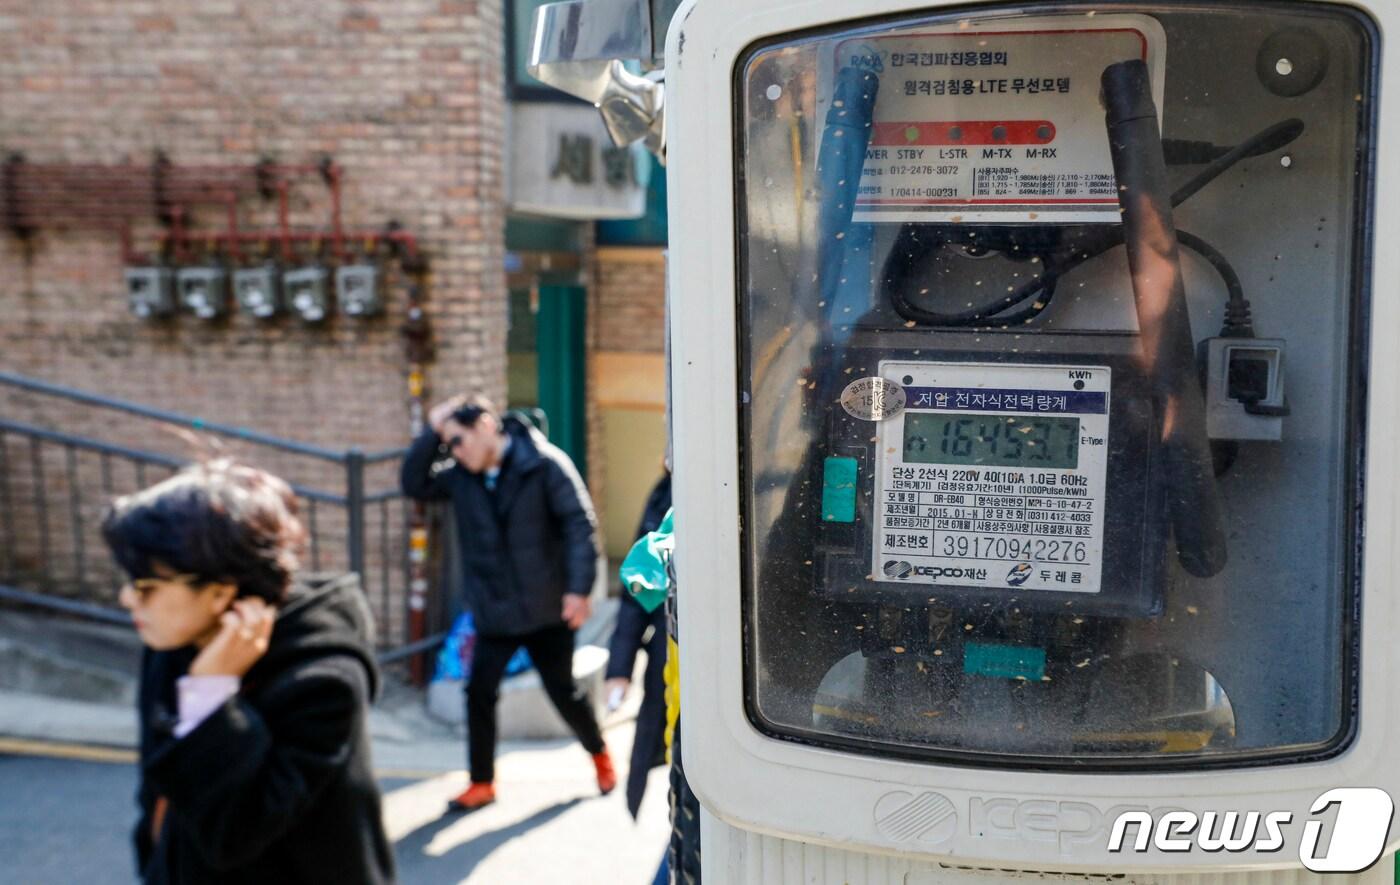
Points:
(1008, 440)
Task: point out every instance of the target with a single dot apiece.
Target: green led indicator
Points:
(839, 490)
(1004, 661)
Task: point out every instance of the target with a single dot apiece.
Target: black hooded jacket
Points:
(276, 786)
(630, 636)
(525, 544)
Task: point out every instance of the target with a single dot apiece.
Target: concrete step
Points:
(44, 655)
(524, 711)
(47, 718)
(82, 666)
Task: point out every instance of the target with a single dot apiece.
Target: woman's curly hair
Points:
(217, 520)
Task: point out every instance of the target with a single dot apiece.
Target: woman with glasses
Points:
(255, 688)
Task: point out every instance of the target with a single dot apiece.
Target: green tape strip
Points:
(839, 490)
(1004, 661)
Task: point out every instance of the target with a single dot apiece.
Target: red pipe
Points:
(409, 242)
(106, 199)
(95, 192)
(177, 231)
(233, 234)
(129, 256)
(283, 226)
(131, 170)
(337, 235)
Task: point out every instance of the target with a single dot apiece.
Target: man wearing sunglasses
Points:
(525, 529)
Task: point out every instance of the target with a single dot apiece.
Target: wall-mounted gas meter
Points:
(973, 354)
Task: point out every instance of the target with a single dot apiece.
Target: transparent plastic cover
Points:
(1052, 326)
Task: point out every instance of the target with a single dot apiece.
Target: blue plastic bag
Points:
(454, 659)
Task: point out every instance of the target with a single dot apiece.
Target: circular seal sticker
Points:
(872, 399)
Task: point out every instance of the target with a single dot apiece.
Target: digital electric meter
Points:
(997, 477)
(994, 477)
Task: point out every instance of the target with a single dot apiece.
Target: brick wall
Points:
(631, 299)
(406, 96)
(627, 338)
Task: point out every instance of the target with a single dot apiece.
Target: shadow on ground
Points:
(456, 863)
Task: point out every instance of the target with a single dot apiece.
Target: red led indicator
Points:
(963, 132)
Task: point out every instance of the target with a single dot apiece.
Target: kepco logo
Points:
(1357, 839)
(896, 568)
(905, 817)
(900, 570)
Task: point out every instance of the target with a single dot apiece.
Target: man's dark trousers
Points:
(552, 652)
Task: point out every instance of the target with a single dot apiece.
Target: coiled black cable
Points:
(899, 279)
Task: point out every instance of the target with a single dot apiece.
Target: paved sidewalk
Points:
(549, 824)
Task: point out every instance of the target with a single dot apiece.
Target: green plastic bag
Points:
(643, 572)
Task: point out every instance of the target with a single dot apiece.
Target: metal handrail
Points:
(386, 455)
(89, 445)
(361, 504)
(70, 606)
(403, 652)
(34, 385)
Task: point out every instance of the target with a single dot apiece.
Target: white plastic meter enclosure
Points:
(986, 557)
(951, 507)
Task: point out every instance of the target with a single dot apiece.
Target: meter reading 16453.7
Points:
(1021, 441)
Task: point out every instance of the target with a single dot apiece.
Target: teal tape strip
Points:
(839, 490)
(1004, 661)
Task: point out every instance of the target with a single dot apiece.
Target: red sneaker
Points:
(478, 795)
(607, 776)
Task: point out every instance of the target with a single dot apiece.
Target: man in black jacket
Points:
(525, 528)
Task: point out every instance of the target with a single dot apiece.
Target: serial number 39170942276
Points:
(1011, 548)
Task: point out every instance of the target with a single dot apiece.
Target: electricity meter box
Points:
(305, 291)
(150, 291)
(1011, 459)
(357, 290)
(258, 290)
(203, 291)
(1027, 473)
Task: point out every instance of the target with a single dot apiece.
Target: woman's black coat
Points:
(629, 636)
(276, 786)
